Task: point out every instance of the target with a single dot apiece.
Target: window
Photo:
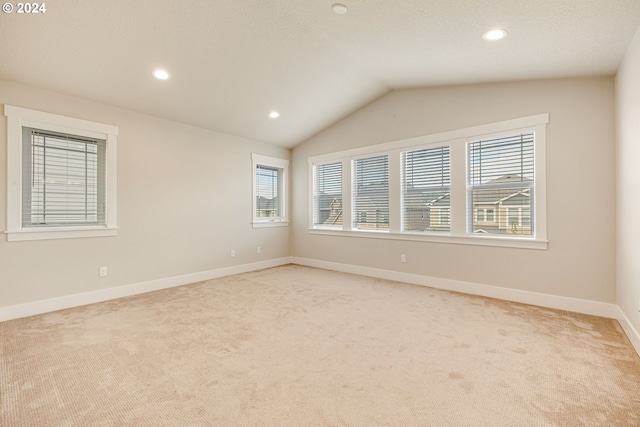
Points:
(327, 195)
(425, 190)
(269, 191)
(490, 215)
(500, 176)
(63, 179)
(65, 168)
(371, 193)
(483, 185)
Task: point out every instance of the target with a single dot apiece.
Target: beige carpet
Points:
(297, 346)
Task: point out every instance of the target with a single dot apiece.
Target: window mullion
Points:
(394, 192)
(347, 198)
(458, 188)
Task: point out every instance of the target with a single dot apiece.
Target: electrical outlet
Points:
(258, 249)
(103, 272)
(233, 253)
(403, 258)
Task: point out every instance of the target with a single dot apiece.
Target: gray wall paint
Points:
(184, 201)
(628, 184)
(580, 260)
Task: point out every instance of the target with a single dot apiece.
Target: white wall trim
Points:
(594, 308)
(76, 300)
(627, 326)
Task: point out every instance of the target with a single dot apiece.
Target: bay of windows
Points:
(480, 185)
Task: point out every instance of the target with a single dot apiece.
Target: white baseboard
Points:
(631, 332)
(594, 308)
(76, 300)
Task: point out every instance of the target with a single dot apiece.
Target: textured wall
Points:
(184, 201)
(580, 259)
(628, 180)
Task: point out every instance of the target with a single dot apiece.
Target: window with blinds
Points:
(426, 199)
(63, 180)
(500, 185)
(327, 195)
(268, 189)
(370, 193)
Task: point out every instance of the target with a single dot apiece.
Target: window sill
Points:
(59, 233)
(274, 223)
(507, 242)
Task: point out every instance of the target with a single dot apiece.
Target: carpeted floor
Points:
(297, 346)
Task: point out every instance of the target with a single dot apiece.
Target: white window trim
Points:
(17, 118)
(457, 141)
(273, 162)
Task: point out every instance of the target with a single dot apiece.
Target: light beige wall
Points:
(580, 260)
(184, 201)
(628, 180)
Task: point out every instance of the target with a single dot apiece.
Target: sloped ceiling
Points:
(234, 61)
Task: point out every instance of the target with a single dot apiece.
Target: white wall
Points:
(184, 201)
(580, 260)
(628, 184)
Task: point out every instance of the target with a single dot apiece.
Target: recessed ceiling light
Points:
(161, 74)
(494, 35)
(274, 114)
(339, 8)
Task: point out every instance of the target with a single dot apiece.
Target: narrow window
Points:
(327, 195)
(426, 190)
(268, 199)
(269, 191)
(371, 193)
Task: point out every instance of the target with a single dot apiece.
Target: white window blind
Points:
(327, 194)
(63, 181)
(426, 190)
(268, 182)
(371, 193)
(500, 178)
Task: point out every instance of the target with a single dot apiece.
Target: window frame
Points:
(457, 140)
(17, 119)
(282, 165)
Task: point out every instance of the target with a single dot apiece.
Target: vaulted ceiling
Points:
(232, 62)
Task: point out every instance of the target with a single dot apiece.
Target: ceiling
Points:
(234, 61)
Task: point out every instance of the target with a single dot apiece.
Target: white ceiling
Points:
(233, 61)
